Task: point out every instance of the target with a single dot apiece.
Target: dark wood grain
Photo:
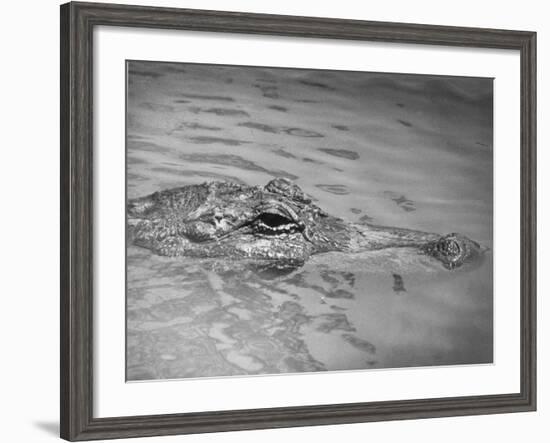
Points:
(77, 24)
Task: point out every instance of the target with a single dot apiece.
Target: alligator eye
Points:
(275, 223)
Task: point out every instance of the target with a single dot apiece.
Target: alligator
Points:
(277, 222)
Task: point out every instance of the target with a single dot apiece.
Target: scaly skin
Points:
(277, 222)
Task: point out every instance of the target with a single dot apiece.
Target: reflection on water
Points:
(408, 151)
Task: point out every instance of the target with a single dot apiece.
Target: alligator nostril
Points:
(452, 248)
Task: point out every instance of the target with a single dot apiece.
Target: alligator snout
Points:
(453, 250)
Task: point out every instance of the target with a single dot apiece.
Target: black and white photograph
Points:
(284, 220)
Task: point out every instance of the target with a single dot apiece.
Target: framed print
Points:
(272, 221)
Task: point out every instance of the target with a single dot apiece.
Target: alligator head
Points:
(277, 222)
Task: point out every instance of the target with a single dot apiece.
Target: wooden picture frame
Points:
(77, 23)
